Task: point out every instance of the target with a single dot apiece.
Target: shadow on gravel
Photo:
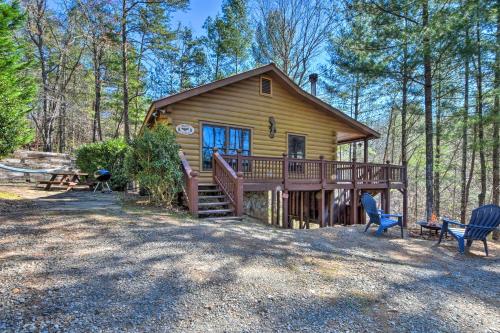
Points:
(96, 269)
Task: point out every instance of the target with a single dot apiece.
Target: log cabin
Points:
(258, 144)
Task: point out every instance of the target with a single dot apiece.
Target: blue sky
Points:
(197, 13)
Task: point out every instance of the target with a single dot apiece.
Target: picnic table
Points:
(65, 178)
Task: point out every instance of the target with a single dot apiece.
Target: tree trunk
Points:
(126, 125)
(62, 127)
(429, 153)
(496, 124)
(387, 138)
(473, 158)
(404, 102)
(356, 113)
(437, 162)
(404, 108)
(96, 129)
(482, 158)
(45, 125)
(465, 123)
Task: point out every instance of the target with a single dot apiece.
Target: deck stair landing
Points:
(213, 203)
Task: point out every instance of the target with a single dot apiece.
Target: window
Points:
(227, 138)
(266, 86)
(296, 146)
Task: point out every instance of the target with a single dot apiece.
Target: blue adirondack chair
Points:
(378, 217)
(482, 221)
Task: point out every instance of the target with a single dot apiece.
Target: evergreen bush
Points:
(153, 161)
(109, 155)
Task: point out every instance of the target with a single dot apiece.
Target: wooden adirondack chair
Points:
(378, 217)
(482, 221)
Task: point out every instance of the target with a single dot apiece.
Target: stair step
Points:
(216, 211)
(207, 184)
(211, 196)
(208, 191)
(214, 203)
(234, 218)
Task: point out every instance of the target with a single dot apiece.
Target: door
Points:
(296, 146)
(296, 149)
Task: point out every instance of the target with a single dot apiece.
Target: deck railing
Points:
(190, 187)
(285, 170)
(230, 182)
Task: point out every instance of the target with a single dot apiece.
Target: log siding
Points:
(241, 105)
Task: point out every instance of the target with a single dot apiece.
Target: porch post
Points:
(285, 172)
(239, 161)
(365, 154)
(387, 207)
(322, 170)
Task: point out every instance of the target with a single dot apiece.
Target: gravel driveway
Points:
(129, 269)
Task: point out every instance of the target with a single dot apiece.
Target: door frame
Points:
(296, 134)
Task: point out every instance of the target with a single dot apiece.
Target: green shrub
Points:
(109, 155)
(153, 161)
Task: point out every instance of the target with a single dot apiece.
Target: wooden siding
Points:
(241, 104)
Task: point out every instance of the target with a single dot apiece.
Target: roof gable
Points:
(365, 131)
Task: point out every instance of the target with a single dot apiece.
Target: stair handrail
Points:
(190, 187)
(230, 182)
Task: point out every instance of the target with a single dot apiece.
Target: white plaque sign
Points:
(184, 129)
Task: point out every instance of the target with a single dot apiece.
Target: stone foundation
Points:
(256, 205)
(33, 160)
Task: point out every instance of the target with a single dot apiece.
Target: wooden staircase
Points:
(213, 204)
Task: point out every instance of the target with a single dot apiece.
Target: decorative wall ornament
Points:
(272, 127)
(184, 129)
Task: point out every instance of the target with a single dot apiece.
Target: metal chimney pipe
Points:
(313, 78)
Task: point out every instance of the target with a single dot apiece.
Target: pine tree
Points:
(228, 39)
(16, 88)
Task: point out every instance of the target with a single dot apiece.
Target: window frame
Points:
(264, 77)
(227, 128)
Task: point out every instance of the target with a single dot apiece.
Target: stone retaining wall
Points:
(256, 204)
(34, 160)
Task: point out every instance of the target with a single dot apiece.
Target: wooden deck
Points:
(320, 191)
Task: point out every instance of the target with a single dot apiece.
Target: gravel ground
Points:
(67, 267)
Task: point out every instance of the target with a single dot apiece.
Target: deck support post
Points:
(387, 201)
(354, 193)
(239, 194)
(405, 194)
(307, 208)
(330, 206)
(278, 208)
(273, 207)
(301, 223)
(284, 196)
(321, 209)
(354, 206)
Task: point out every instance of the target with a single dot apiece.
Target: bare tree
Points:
(291, 33)
(97, 28)
(58, 53)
